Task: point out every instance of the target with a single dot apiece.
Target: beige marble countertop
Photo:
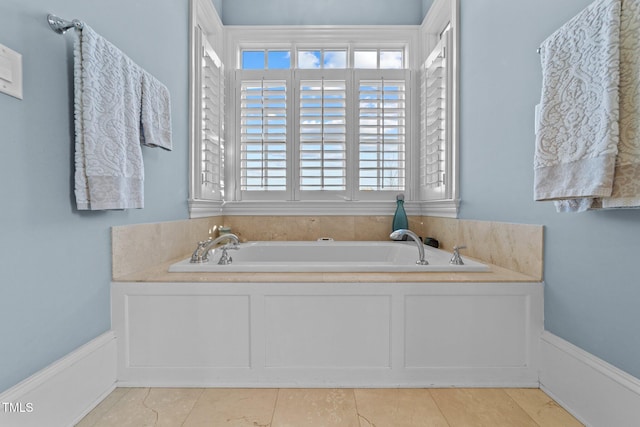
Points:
(160, 273)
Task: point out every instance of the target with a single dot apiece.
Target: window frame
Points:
(379, 38)
(418, 42)
(205, 24)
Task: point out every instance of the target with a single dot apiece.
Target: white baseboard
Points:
(64, 392)
(595, 392)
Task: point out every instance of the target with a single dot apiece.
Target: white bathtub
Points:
(329, 256)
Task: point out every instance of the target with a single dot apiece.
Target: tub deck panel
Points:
(327, 331)
(475, 335)
(319, 334)
(207, 331)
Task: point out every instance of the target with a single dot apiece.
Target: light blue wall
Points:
(218, 5)
(426, 4)
(54, 261)
(325, 12)
(592, 295)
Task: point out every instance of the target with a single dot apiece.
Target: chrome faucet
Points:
(456, 259)
(397, 235)
(201, 254)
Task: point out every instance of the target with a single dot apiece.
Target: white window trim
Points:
(272, 37)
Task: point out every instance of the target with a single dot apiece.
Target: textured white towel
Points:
(577, 141)
(626, 182)
(156, 113)
(109, 105)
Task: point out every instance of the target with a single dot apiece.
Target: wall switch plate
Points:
(10, 72)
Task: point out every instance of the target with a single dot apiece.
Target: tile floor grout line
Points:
(275, 404)
(191, 410)
(438, 406)
(519, 406)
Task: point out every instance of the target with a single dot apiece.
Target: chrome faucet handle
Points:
(456, 259)
(196, 257)
(225, 258)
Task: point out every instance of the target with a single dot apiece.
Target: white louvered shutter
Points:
(433, 144)
(322, 135)
(263, 135)
(382, 134)
(212, 125)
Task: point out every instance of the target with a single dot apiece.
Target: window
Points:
(315, 120)
(439, 111)
(266, 59)
(313, 59)
(379, 58)
(207, 112)
(323, 129)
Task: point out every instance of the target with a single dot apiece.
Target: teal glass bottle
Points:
(400, 220)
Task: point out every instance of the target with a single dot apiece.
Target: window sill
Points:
(204, 208)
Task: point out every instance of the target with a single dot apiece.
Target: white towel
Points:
(577, 142)
(155, 113)
(108, 112)
(626, 182)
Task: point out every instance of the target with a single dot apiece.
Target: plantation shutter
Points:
(322, 135)
(263, 135)
(212, 125)
(381, 133)
(433, 146)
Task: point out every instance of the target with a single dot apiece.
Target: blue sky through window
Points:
(253, 59)
(279, 59)
(260, 60)
(320, 58)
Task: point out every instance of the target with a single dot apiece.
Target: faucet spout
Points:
(201, 254)
(398, 234)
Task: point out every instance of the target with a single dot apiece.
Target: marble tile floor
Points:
(452, 407)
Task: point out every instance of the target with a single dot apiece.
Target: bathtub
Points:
(329, 256)
(327, 330)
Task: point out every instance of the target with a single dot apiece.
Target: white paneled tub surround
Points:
(328, 334)
(329, 256)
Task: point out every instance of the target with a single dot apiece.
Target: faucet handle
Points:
(456, 259)
(197, 257)
(225, 258)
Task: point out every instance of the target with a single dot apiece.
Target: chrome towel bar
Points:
(61, 26)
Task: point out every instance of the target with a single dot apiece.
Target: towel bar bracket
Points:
(61, 26)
